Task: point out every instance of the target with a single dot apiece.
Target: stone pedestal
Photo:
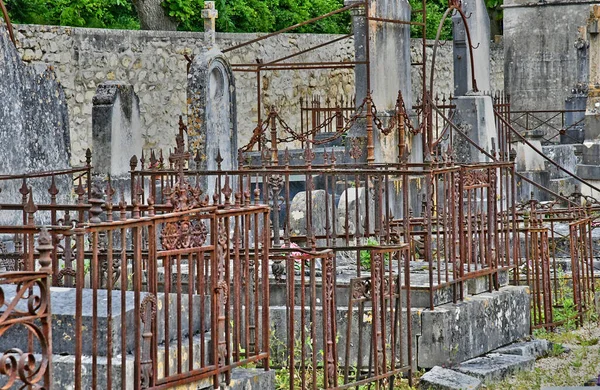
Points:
(116, 129)
(533, 166)
(389, 70)
(475, 117)
(478, 22)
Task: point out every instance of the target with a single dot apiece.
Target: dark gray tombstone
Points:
(574, 120)
(460, 56)
(116, 130)
(34, 129)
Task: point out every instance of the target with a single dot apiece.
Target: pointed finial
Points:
(88, 157)
(53, 190)
(133, 162)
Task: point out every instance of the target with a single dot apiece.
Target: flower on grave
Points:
(297, 256)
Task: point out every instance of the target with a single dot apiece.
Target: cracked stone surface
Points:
(495, 367)
(439, 378)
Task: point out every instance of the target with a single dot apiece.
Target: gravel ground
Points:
(573, 368)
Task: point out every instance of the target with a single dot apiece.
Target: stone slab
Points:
(34, 130)
(533, 348)
(453, 333)
(439, 378)
(495, 366)
(251, 379)
(63, 320)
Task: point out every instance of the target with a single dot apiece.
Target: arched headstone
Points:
(211, 110)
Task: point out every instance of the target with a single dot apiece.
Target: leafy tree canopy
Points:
(234, 15)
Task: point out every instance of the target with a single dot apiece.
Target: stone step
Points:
(439, 378)
(495, 367)
(533, 348)
(63, 320)
(453, 333)
(63, 369)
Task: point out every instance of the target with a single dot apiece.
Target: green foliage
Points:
(234, 15)
(365, 255)
(435, 11)
(274, 15)
(183, 10)
(76, 13)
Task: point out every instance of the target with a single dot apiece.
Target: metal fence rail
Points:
(25, 323)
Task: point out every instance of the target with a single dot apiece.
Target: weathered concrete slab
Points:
(453, 333)
(254, 379)
(533, 348)
(444, 379)
(280, 331)
(63, 369)
(495, 367)
(64, 316)
(34, 129)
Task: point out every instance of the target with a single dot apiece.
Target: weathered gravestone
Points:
(389, 68)
(34, 130)
(321, 219)
(478, 22)
(212, 125)
(590, 167)
(116, 130)
(474, 110)
(352, 212)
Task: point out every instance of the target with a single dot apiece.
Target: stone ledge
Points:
(453, 333)
(444, 379)
(533, 348)
(495, 366)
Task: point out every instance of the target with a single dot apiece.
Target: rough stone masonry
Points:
(154, 63)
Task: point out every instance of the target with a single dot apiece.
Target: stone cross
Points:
(210, 14)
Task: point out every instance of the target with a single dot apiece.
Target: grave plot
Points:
(341, 256)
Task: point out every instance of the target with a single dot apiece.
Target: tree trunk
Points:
(153, 16)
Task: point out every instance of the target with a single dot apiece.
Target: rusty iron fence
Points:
(164, 294)
(25, 321)
(371, 312)
(556, 259)
(551, 126)
(318, 118)
(458, 217)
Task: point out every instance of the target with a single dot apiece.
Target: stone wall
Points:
(540, 54)
(154, 63)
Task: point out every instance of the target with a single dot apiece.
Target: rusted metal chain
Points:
(493, 158)
(526, 141)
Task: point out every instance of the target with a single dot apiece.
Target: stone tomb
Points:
(116, 129)
(34, 129)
